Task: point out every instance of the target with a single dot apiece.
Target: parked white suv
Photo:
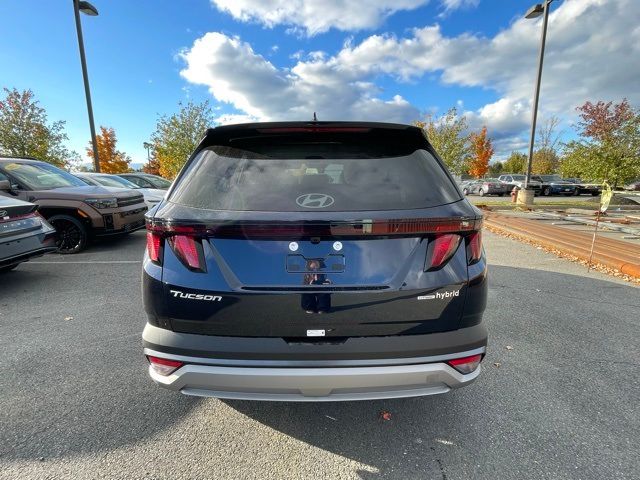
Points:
(516, 180)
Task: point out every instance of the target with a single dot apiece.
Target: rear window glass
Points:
(225, 178)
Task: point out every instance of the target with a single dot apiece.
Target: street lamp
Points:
(147, 146)
(534, 12)
(87, 9)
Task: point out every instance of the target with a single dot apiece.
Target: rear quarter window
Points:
(226, 178)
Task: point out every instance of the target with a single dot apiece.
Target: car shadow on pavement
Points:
(525, 411)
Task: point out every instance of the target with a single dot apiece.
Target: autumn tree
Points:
(516, 163)
(609, 144)
(111, 159)
(177, 135)
(25, 131)
(447, 135)
(481, 152)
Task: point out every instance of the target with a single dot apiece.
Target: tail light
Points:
(164, 366)
(185, 241)
(153, 246)
(466, 365)
(188, 250)
(474, 247)
(441, 249)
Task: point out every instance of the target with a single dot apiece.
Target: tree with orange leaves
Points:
(481, 153)
(112, 160)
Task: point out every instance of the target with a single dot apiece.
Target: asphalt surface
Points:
(558, 397)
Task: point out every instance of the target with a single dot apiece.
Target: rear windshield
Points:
(225, 178)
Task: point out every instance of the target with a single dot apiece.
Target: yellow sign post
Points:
(605, 200)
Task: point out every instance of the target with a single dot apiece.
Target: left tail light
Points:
(185, 242)
(154, 242)
(164, 366)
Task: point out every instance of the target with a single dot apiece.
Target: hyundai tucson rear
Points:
(314, 261)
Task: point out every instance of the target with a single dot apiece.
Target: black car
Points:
(23, 233)
(314, 261)
(555, 185)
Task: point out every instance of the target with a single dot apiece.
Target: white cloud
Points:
(593, 48)
(311, 17)
(235, 74)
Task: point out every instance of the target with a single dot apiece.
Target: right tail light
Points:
(474, 247)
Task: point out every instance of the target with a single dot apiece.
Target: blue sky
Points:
(145, 56)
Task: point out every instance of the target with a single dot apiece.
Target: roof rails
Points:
(21, 157)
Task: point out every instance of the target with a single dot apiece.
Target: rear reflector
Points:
(153, 246)
(164, 366)
(441, 249)
(466, 364)
(188, 250)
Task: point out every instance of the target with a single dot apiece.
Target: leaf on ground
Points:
(384, 415)
(68, 318)
(509, 347)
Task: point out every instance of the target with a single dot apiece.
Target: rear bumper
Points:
(314, 384)
(366, 369)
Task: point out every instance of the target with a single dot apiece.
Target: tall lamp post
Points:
(87, 9)
(534, 12)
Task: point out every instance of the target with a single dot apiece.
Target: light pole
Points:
(87, 9)
(534, 12)
(147, 146)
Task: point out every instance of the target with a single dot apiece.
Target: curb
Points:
(614, 254)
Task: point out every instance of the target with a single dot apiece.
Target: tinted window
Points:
(140, 182)
(42, 176)
(224, 178)
(158, 182)
(113, 181)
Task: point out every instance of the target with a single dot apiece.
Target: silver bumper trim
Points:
(315, 384)
(314, 363)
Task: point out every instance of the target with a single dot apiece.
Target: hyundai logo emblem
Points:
(315, 200)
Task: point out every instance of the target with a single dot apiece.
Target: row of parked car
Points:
(44, 208)
(541, 184)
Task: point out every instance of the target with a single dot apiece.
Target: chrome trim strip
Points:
(313, 363)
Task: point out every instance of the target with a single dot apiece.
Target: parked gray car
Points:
(485, 186)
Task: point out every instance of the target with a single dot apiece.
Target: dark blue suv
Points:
(314, 261)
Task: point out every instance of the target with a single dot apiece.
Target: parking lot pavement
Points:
(558, 396)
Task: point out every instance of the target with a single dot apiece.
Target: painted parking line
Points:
(88, 262)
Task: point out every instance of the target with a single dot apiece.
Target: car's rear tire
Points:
(465, 191)
(8, 269)
(71, 235)
(481, 192)
(546, 192)
(501, 194)
(576, 193)
(595, 194)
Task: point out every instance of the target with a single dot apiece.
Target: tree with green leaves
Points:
(516, 163)
(447, 135)
(496, 169)
(609, 144)
(25, 132)
(177, 136)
